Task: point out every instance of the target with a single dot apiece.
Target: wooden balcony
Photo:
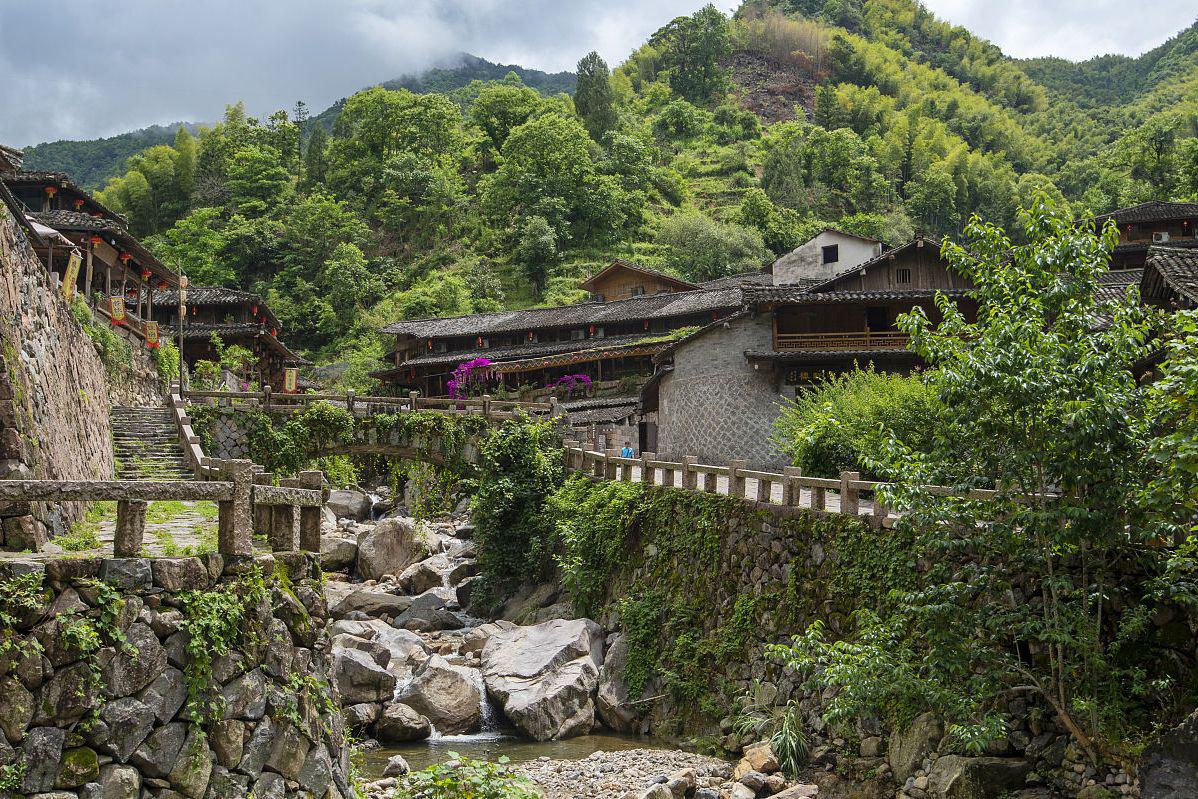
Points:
(832, 342)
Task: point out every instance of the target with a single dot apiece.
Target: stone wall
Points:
(53, 393)
(714, 404)
(133, 714)
(137, 385)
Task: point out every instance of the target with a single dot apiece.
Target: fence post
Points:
(792, 492)
(667, 477)
(284, 522)
(610, 464)
(736, 483)
(764, 490)
(309, 522)
(880, 513)
(235, 528)
(130, 528)
(646, 469)
(690, 478)
(349, 401)
(711, 482)
(818, 498)
(555, 408)
(262, 512)
(850, 498)
(486, 406)
(266, 397)
(412, 397)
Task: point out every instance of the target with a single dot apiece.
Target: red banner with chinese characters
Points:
(116, 309)
(151, 335)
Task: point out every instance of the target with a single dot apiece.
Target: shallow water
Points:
(504, 742)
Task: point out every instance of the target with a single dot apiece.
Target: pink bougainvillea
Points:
(470, 376)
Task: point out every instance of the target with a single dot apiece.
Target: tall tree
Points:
(593, 96)
(692, 49)
(314, 158)
(185, 164)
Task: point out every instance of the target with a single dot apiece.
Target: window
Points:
(831, 253)
(577, 334)
(902, 276)
(440, 346)
(636, 291)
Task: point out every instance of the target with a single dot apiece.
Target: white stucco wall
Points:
(805, 262)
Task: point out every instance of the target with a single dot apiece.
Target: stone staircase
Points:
(146, 444)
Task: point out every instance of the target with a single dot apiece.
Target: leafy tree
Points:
(593, 96)
(196, 244)
(536, 250)
(257, 180)
(185, 163)
(500, 107)
(692, 48)
(699, 248)
(315, 164)
(933, 203)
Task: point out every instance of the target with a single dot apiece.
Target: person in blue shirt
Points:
(626, 452)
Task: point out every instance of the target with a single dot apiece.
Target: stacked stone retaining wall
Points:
(134, 715)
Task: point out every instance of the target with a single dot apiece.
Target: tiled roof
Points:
(62, 180)
(10, 158)
(77, 221)
(652, 306)
(620, 263)
(799, 295)
(599, 351)
(1136, 246)
(206, 295)
(616, 410)
(1177, 268)
(1112, 285)
(1150, 212)
(202, 331)
(520, 353)
(733, 281)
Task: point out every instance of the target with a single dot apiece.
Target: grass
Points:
(84, 534)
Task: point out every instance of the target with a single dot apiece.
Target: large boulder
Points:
(1169, 766)
(612, 698)
(374, 602)
(424, 574)
(337, 553)
(476, 639)
(429, 612)
(546, 676)
(349, 503)
(389, 547)
(360, 678)
(408, 650)
(957, 777)
(401, 724)
(909, 747)
(447, 695)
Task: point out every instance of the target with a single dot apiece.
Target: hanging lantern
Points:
(51, 191)
(163, 285)
(262, 319)
(530, 335)
(591, 330)
(274, 332)
(430, 343)
(78, 205)
(125, 257)
(254, 309)
(96, 241)
(646, 324)
(715, 315)
(478, 342)
(145, 273)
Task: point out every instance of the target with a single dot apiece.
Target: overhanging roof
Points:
(620, 264)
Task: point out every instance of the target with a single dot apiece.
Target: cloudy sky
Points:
(82, 68)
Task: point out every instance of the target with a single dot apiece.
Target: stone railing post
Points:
(690, 478)
(667, 477)
(284, 522)
(736, 483)
(309, 523)
(792, 492)
(235, 527)
(262, 512)
(610, 464)
(878, 519)
(349, 401)
(850, 498)
(711, 482)
(486, 406)
(266, 397)
(646, 469)
(130, 528)
(555, 408)
(818, 498)
(412, 397)
(764, 490)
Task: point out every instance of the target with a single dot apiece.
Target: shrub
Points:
(699, 248)
(830, 427)
(463, 778)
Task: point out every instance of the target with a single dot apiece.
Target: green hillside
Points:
(484, 194)
(92, 162)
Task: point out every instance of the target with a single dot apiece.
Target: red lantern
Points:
(145, 273)
(646, 324)
(591, 330)
(478, 342)
(96, 240)
(125, 257)
(162, 285)
(51, 191)
(530, 335)
(274, 332)
(254, 309)
(78, 204)
(430, 343)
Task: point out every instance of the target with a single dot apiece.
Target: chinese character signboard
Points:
(72, 275)
(116, 309)
(290, 380)
(151, 335)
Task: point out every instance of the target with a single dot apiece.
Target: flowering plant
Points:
(572, 383)
(470, 375)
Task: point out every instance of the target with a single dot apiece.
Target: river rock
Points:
(337, 553)
(957, 777)
(474, 640)
(401, 724)
(396, 766)
(361, 715)
(408, 650)
(909, 747)
(348, 503)
(373, 601)
(546, 676)
(389, 547)
(1169, 766)
(527, 600)
(446, 695)
(359, 678)
(423, 575)
(612, 698)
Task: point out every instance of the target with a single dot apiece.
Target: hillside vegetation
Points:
(492, 194)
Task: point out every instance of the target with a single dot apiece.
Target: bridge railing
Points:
(366, 405)
(790, 488)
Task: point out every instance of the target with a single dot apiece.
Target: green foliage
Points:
(593, 99)
(20, 597)
(838, 423)
(691, 49)
(699, 248)
(113, 348)
(463, 778)
(166, 362)
(521, 465)
(781, 725)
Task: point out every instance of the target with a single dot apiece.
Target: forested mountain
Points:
(875, 117)
(92, 162)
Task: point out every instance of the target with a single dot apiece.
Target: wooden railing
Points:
(865, 340)
(790, 488)
(270, 400)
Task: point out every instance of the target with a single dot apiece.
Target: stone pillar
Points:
(850, 498)
(646, 469)
(690, 477)
(667, 477)
(412, 397)
(309, 524)
(763, 490)
(262, 512)
(235, 528)
(818, 498)
(130, 528)
(736, 483)
(711, 482)
(792, 492)
(610, 465)
(284, 523)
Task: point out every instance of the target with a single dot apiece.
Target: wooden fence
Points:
(363, 405)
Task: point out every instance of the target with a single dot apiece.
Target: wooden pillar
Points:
(235, 527)
(107, 281)
(87, 281)
(736, 483)
(309, 523)
(850, 498)
(130, 528)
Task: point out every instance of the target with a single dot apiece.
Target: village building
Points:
(235, 318)
(717, 392)
(1143, 226)
(1170, 278)
(829, 253)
